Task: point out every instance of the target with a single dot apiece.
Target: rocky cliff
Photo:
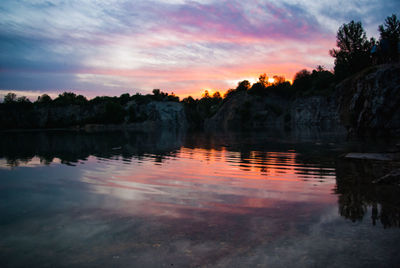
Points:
(248, 112)
(245, 111)
(141, 116)
(369, 102)
(165, 114)
(319, 111)
(365, 104)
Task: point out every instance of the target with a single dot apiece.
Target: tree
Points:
(189, 100)
(263, 80)
(208, 105)
(156, 92)
(320, 68)
(10, 98)
(258, 88)
(159, 95)
(390, 32)
(354, 50)
(217, 95)
(321, 79)
(124, 98)
(279, 79)
(304, 73)
(172, 97)
(23, 99)
(44, 99)
(68, 98)
(390, 29)
(302, 80)
(205, 95)
(230, 92)
(243, 85)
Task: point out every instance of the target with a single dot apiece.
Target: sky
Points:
(95, 47)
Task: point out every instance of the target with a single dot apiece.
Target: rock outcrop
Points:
(319, 111)
(165, 114)
(245, 111)
(365, 104)
(144, 116)
(369, 102)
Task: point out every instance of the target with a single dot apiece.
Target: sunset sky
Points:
(112, 47)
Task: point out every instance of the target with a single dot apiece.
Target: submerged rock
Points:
(392, 177)
(367, 168)
(373, 156)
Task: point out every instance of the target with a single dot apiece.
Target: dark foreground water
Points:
(167, 199)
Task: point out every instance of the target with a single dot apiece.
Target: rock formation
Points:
(365, 104)
(369, 102)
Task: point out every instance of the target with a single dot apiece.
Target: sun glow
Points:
(271, 80)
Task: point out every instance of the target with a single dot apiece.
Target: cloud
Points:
(179, 44)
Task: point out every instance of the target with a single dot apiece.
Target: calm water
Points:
(167, 199)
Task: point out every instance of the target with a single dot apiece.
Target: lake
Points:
(172, 199)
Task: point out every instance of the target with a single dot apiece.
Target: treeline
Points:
(131, 108)
(354, 53)
(65, 109)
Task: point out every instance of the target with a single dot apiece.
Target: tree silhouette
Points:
(243, 85)
(44, 99)
(354, 48)
(302, 80)
(68, 98)
(263, 80)
(156, 92)
(217, 95)
(391, 28)
(206, 95)
(320, 68)
(124, 98)
(23, 99)
(390, 33)
(304, 73)
(10, 98)
(229, 93)
(279, 79)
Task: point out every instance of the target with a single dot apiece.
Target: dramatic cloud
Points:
(111, 47)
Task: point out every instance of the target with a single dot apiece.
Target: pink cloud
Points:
(183, 48)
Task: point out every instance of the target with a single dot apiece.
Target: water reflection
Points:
(221, 157)
(358, 196)
(186, 199)
(71, 147)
